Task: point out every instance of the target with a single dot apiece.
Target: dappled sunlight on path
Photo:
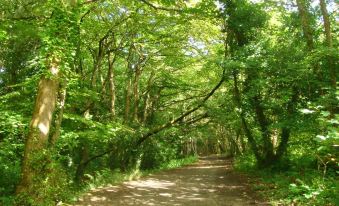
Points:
(209, 182)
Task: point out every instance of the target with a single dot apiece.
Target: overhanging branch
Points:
(171, 123)
(181, 117)
(160, 7)
(196, 119)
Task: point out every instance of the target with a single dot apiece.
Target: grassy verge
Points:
(294, 185)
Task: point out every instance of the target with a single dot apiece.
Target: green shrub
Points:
(299, 184)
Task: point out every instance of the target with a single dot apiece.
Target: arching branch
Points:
(181, 117)
(170, 123)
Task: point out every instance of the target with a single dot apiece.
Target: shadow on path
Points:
(208, 182)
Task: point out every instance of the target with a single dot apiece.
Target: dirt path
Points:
(208, 182)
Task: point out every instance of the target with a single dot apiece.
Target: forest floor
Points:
(209, 182)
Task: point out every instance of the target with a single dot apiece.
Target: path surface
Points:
(208, 182)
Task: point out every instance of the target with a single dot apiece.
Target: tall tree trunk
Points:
(128, 99)
(147, 96)
(305, 23)
(96, 68)
(268, 153)
(154, 100)
(111, 83)
(61, 107)
(331, 62)
(37, 139)
(98, 57)
(247, 131)
(241, 140)
(327, 24)
(136, 92)
(308, 33)
(147, 107)
(84, 157)
(285, 130)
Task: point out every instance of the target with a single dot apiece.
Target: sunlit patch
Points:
(209, 167)
(142, 189)
(151, 183)
(165, 194)
(195, 189)
(192, 3)
(191, 197)
(54, 70)
(43, 128)
(111, 190)
(199, 184)
(96, 199)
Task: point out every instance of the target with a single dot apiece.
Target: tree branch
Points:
(197, 118)
(160, 7)
(181, 117)
(171, 123)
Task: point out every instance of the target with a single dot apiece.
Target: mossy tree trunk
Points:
(37, 140)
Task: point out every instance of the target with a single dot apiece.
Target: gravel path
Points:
(209, 182)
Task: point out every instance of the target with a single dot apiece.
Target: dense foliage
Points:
(93, 90)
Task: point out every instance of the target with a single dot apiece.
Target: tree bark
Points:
(61, 107)
(265, 133)
(98, 57)
(247, 131)
(137, 74)
(37, 139)
(285, 130)
(111, 83)
(128, 99)
(84, 156)
(331, 62)
(305, 23)
(327, 24)
(147, 96)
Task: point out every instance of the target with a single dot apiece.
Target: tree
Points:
(305, 23)
(54, 39)
(153, 80)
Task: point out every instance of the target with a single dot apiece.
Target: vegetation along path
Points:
(90, 89)
(210, 181)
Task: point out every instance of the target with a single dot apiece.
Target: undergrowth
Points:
(294, 182)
